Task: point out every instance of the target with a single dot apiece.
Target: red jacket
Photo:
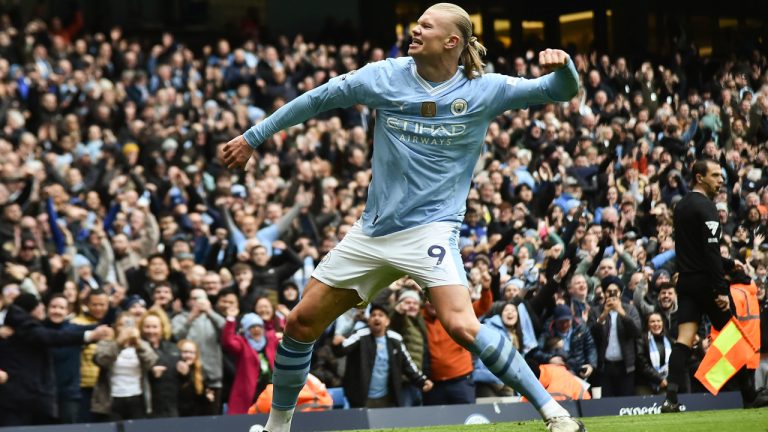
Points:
(243, 391)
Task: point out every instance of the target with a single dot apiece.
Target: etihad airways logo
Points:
(431, 129)
(426, 133)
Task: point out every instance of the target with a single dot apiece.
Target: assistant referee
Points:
(701, 286)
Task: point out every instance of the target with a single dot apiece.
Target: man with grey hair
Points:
(203, 325)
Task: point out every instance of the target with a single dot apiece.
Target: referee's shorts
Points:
(696, 297)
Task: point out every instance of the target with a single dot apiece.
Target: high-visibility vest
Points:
(729, 352)
(561, 383)
(314, 396)
(747, 313)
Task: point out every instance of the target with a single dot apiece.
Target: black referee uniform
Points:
(701, 280)
(702, 270)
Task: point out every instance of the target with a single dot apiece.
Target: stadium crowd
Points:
(141, 278)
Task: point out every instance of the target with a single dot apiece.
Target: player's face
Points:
(430, 33)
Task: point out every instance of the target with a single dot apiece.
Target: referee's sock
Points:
(505, 362)
(677, 370)
(290, 374)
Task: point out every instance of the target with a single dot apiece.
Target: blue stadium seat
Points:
(339, 400)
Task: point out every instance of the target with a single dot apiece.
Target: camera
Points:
(129, 322)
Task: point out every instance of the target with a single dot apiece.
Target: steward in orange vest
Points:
(560, 382)
(746, 310)
(746, 313)
(314, 396)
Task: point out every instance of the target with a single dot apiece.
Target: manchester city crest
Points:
(458, 107)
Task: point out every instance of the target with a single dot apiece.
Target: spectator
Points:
(653, 352)
(143, 280)
(136, 306)
(616, 326)
(407, 321)
(273, 321)
(194, 398)
(124, 363)
(255, 356)
(29, 394)
(578, 346)
(376, 360)
(450, 364)
(226, 300)
(578, 293)
(269, 272)
(163, 377)
(163, 298)
(125, 257)
(203, 325)
(66, 359)
(665, 305)
(507, 322)
(96, 310)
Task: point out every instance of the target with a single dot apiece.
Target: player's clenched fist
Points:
(552, 60)
(236, 153)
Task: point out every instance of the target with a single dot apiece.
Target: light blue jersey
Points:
(427, 139)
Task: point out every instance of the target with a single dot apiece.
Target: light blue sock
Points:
(505, 362)
(291, 370)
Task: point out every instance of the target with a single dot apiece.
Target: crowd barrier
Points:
(350, 419)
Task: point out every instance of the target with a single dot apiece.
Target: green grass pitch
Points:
(699, 421)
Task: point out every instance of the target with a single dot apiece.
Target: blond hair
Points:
(472, 51)
(197, 366)
(165, 323)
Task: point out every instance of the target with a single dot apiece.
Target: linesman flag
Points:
(729, 352)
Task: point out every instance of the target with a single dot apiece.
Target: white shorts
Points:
(429, 254)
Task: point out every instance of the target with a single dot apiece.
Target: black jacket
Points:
(25, 357)
(66, 362)
(628, 331)
(360, 349)
(268, 279)
(581, 351)
(165, 390)
(646, 373)
(140, 284)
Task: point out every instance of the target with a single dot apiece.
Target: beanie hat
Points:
(611, 280)
(251, 319)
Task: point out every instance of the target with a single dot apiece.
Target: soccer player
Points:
(701, 287)
(432, 112)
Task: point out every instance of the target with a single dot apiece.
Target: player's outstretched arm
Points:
(339, 92)
(560, 84)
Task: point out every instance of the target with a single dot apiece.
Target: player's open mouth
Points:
(415, 42)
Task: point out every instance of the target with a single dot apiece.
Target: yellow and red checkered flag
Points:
(729, 352)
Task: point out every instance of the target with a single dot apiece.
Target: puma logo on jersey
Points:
(712, 225)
